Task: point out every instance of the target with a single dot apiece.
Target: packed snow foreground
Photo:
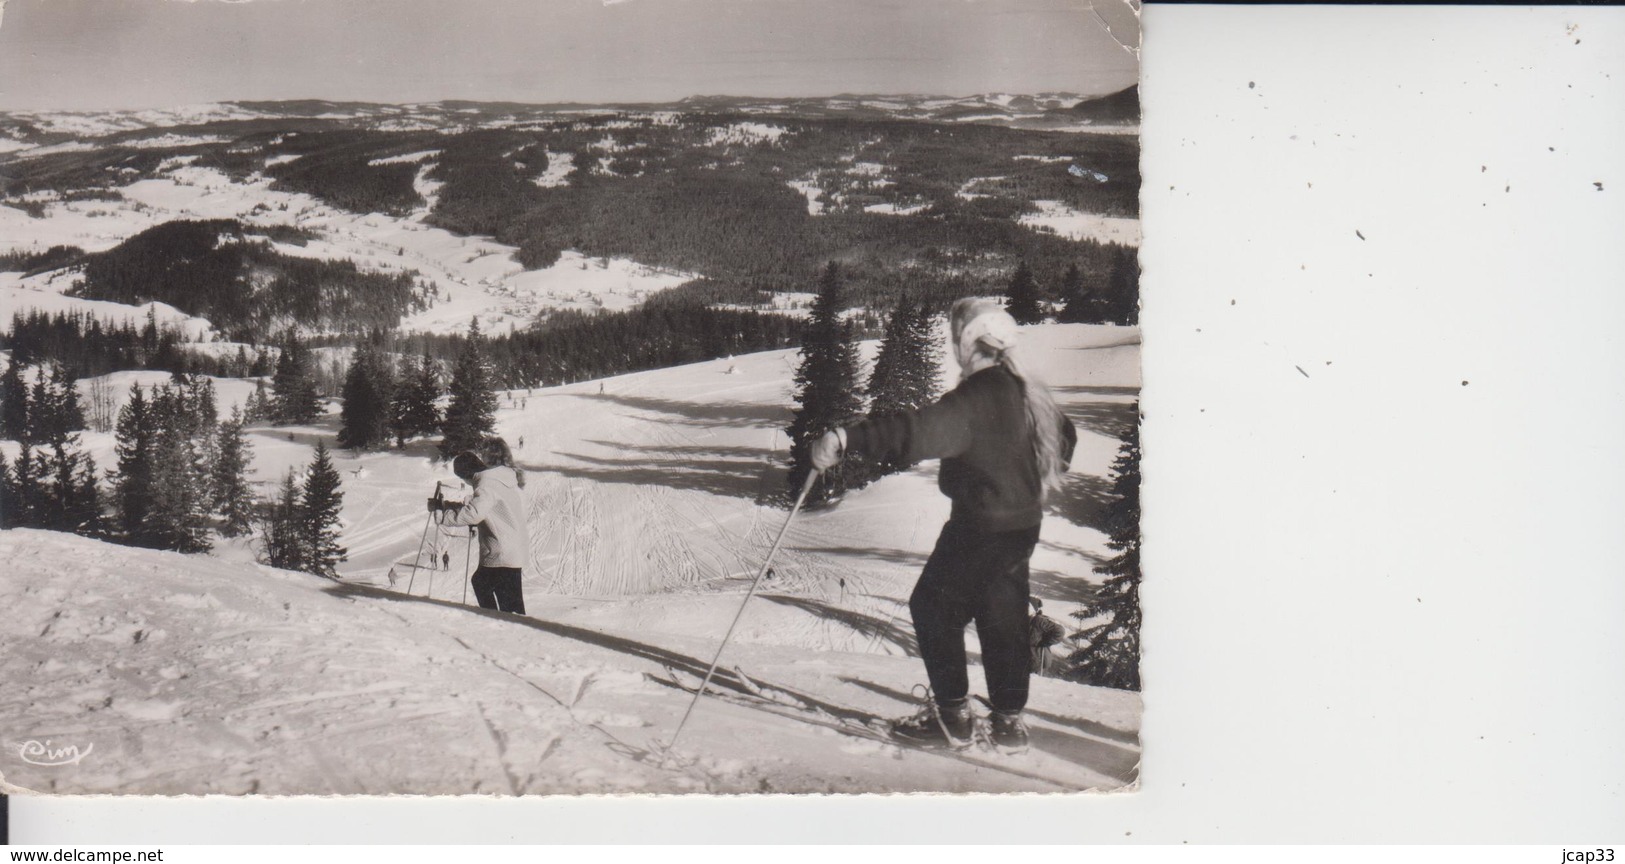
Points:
(139, 671)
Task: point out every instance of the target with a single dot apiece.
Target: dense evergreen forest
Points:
(29, 263)
(670, 195)
(341, 172)
(579, 346)
(88, 346)
(216, 269)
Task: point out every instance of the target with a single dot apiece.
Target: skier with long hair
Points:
(1003, 442)
(498, 510)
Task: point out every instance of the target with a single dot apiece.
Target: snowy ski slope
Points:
(215, 674)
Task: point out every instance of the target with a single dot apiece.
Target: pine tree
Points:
(414, 411)
(134, 439)
(472, 413)
(885, 378)
(1075, 301)
(232, 498)
(1022, 297)
(1120, 302)
(85, 515)
(369, 391)
(8, 494)
(261, 366)
(29, 489)
(70, 411)
(906, 370)
(280, 531)
(827, 390)
(1110, 656)
(197, 417)
(177, 517)
(400, 406)
(60, 500)
(319, 516)
(200, 404)
(293, 386)
(149, 334)
(13, 402)
(928, 374)
(54, 411)
(42, 413)
(258, 405)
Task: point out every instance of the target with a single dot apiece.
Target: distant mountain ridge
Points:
(22, 130)
(1120, 107)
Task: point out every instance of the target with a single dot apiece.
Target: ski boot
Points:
(1008, 732)
(950, 726)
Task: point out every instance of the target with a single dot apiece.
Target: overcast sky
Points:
(90, 54)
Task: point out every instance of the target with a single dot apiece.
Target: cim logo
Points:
(37, 753)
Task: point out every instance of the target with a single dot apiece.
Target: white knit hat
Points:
(988, 324)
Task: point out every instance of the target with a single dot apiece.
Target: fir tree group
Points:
(53, 482)
(906, 373)
(231, 495)
(293, 386)
(369, 395)
(171, 466)
(416, 410)
(1076, 305)
(280, 528)
(1120, 302)
(1022, 298)
(827, 391)
(258, 406)
(299, 529)
(42, 412)
(1109, 655)
(164, 483)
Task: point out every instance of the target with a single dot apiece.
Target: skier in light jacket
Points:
(1003, 442)
(498, 511)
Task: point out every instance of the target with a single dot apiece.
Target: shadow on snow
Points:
(708, 414)
(1107, 759)
(866, 625)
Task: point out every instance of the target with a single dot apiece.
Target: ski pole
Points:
(812, 477)
(468, 560)
(428, 520)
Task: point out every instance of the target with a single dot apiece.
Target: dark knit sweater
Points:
(980, 432)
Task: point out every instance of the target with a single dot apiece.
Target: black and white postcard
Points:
(518, 398)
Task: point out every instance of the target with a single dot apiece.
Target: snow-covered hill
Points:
(215, 674)
(472, 276)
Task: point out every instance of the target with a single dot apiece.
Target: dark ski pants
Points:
(976, 576)
(499, 588)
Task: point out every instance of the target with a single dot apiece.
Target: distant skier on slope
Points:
(1003, 442)
(1042, 632)
(498, 511)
